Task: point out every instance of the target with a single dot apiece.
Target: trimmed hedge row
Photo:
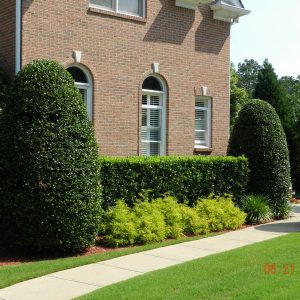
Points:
(186, 178)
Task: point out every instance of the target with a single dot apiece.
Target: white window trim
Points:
(86, 86)
(115, 8)
(18, 35)
(208, 100)
(164, 95)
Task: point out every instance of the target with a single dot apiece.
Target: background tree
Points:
(282, 94)
(258, 134)
(238, 96)
(292, 89)
(248, 75)
(270, 89)
(50, 177)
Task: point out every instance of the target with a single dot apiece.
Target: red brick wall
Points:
(191, 47)
(7, 37)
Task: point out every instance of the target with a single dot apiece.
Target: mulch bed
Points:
(9, 259)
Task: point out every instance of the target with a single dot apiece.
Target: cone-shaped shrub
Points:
(3, 90)
(258, 134)
(50, 187)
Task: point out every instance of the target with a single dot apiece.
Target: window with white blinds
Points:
(83, 82)
(84, 92)
(202, 122)
(152, 125)
(130, 7)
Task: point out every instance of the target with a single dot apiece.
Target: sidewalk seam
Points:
(76, 281)
(250, 243)
(108, 265)
(172, 259)
(205, 249)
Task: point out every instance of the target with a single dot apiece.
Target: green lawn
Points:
(236, 274)
(13, 274)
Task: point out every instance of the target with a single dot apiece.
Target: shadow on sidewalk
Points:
(296, 209)
(280, 227)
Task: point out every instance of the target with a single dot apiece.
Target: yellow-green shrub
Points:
(220, 212)
(120, 226)
(191, 221)
(172, 213)
(149, 222)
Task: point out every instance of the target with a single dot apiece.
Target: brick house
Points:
(154, 74)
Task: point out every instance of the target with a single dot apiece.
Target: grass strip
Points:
(10, 275)
(266, 270)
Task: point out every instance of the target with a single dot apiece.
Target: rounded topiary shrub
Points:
(3, 90)
(50, 192)
(258, 134)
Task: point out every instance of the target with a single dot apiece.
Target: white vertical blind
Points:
(202, 122)
(151, 132)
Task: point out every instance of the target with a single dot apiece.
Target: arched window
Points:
(153, 129)
(83, 82)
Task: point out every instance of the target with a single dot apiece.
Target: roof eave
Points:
(228, 13)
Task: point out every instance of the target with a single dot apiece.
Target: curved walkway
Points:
(65, 285)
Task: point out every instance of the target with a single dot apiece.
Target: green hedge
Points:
(187, 178)
(50, 189)
(258, 134)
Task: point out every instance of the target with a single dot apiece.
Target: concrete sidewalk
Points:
(79, 281)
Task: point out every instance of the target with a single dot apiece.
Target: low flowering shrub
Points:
(192, 222)
(119, 226)
(220, 212)
(154, 221)
(172, 215)
(149, 222)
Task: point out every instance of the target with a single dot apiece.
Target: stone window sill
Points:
(202, 150)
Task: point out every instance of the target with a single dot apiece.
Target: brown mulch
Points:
(295, 200)
(9, 259)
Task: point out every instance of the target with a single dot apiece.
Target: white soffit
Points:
(229, 10)
(191, 4)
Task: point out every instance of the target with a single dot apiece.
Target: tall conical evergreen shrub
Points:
(258, 134)
(3, 90)
(50, 186)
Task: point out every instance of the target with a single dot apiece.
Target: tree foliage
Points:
(270, 89)
(50, 177)
(283, 94)
(292, 124)
(248, 75)
(238, 96)
(258, 134)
